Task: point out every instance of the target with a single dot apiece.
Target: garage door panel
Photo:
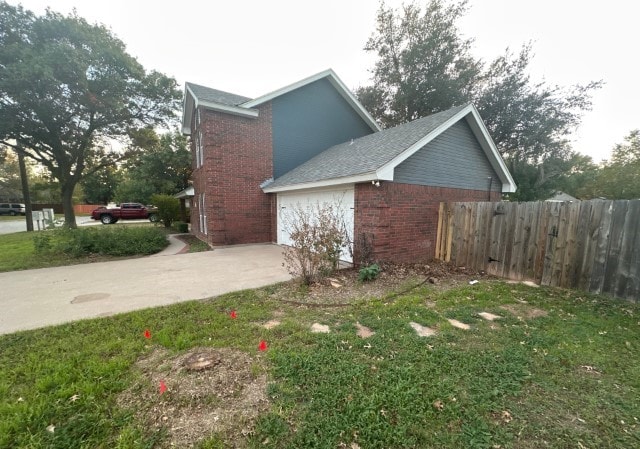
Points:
(288, 203)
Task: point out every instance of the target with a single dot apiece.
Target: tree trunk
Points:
(67, 205)
(26, 196)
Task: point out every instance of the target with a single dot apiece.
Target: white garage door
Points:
(342, 199)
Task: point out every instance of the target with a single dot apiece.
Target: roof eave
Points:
(191, 103)
(364, 177)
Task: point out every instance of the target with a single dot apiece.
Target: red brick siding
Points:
(237, 159)
(401, 220)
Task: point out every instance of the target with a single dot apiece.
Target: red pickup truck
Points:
(126, 211)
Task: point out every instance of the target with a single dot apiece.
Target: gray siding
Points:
(309, 120)
(453, 159)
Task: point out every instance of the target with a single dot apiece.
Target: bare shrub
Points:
(319, 236)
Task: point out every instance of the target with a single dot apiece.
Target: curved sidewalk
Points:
(49, 296)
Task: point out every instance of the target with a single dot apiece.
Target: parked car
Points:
(12, 209)
(126, 211)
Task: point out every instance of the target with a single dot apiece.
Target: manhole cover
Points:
(201, 361)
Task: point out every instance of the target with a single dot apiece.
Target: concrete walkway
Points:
(48, 296)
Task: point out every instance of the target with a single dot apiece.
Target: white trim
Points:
(508, 183)
(334, 80)
(235, 110)
(323, 184)
(477, 126)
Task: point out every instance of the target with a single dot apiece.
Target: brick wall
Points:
(237, 159)
(401, 220)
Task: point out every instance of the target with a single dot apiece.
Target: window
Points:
(202, 213)
(199, 150)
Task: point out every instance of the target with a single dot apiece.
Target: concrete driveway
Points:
(36, 298)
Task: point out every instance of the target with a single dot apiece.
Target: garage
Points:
(342, 199)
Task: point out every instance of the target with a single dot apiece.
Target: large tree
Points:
(162, 166)
(619, 178)
(425, 66)
(70, 95)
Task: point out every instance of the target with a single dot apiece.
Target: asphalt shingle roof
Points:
(203, 93)
(366, 154)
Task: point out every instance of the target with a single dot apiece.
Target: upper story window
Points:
(199, 149)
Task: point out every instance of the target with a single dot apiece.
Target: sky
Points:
(252, 47)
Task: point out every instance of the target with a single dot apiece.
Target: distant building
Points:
(559, 197)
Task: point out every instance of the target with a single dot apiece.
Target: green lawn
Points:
(19, 249)
(559, 370)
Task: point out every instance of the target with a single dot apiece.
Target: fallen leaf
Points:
(506, 416)
(51, 428)
(438, 405)
(74, 398)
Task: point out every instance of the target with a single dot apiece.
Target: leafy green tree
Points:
(163, 167)
(70, 95)
(424, 66)
(10, 185)
(619, 178)
(100, 187)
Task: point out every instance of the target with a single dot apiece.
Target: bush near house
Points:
(168, 208)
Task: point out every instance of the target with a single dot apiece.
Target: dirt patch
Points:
(523, 311)
(364, 331)
(344, 288)
(318, 328)
(271, 324)
(207, 391)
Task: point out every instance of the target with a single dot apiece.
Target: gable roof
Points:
(560, 196)
(375, 156)
(216, 96)
(217, 100)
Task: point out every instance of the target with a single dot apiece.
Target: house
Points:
(312, 141)
(559, 197)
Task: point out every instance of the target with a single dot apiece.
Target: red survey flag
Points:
(163, 387)
(262, 346)
(233, 314)
(147, 333)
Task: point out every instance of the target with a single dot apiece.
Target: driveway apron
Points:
(36, 298)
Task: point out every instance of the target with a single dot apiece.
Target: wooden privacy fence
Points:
(587, 245)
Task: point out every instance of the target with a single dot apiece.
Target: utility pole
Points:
(25, 191)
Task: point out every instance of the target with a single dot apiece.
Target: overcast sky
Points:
(251, 47)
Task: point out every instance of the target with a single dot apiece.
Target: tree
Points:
(10, 185)
(70, 95)
(162, 166)
(424, 66)
(100, 187)
(619, 177)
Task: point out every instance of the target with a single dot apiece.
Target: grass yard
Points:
(28, 250)
(559, 369)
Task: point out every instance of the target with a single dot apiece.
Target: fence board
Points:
(589, 245)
